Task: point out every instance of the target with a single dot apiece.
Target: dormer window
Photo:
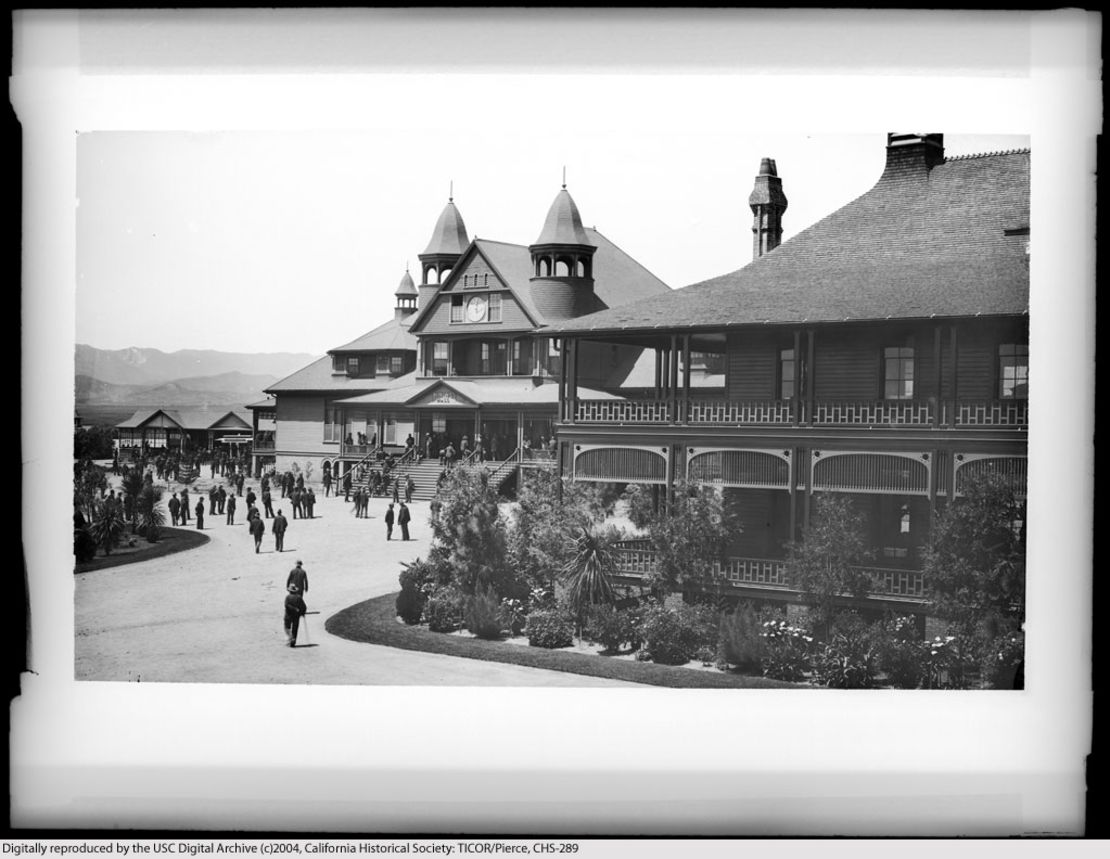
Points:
(352, 366)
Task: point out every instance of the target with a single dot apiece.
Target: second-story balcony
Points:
(701, 411)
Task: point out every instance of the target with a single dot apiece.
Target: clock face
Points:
(476, 309)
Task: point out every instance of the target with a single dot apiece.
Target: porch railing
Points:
(825, 413)
(636, 559)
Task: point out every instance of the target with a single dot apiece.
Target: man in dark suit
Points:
(389, 523)
(258, 528)
(278, 528)
(403, 519)
(230, 509)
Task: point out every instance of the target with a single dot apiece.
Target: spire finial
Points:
(451, 191)
(564, 177)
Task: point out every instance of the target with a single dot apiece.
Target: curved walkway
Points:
(214, 614)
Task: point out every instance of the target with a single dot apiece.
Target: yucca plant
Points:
(132, 485)
(107, 526)
(150, 518)
(587, 573)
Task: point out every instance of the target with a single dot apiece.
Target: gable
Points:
(441, 395)
(475, 275)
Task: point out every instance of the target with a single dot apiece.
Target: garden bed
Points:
(171, 540)
(375, 622)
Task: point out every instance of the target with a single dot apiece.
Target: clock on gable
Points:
(476, 309)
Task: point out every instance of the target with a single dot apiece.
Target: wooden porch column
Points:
(572, 394)
(937, 375)
(792, 471)
(563, 383)
(672, 394)
(795, 404)
(810, 386)
(953, 393)
(684, 414)
(658, 373)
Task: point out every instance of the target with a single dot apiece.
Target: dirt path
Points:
(214, 614)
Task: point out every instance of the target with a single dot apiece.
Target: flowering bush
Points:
(513, 615)
(1001, 660)
(902, 653)
(786, 651)
(443, 608)
(946, 663)
(549, 628)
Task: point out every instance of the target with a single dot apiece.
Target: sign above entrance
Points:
(442, 395)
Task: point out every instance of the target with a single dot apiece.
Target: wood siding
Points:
(752, 367)
(300, 424)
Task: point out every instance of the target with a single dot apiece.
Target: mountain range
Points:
(130, 379)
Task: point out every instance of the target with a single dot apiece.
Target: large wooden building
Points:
(883, 352)
(461, 357)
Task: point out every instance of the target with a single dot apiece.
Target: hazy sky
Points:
(295, 240)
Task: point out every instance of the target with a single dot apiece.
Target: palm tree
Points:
(587, 574)
(131, 485)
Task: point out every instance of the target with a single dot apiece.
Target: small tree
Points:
(824, 565)
(468, 526)
(150, 517)
(690, 538)
(132, 485)
(974, 565)
(587, 573)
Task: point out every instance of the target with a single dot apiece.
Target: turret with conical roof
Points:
(407, 297)
(562, 259)
(449, 240)
(768, 203)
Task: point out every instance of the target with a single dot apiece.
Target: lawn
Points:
(172, 540)
(375, 622)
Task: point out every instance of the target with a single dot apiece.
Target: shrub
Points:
(787, 651)
(739, 640)
(902, 653)
(850, 658)
(84, 546)
(670, 635)
(549, 628)
(611, 627)
(417, 580)
(483, 615)
(512, 615)
(1002, 658)
(444, 609)
(946, 662)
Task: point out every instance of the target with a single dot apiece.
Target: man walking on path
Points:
(230, 509)
(389, 523)
(347, 486)
(327, 484)
(298, 579)
(295, 609)
(396, 489)
(310, 503)
(213, 501)
(175, 509)
(410, 485)
(200, 514)
(184, 506)
(221, 499)
(279, 531)
(239, 480)
(258, 528)
(251, 497)
(268, 503)
(403, 519)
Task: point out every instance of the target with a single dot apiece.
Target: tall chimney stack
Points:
(768, 202)
(912, 156)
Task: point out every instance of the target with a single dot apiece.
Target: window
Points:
(786, 374)
(439, 359)
(1013, 371)
(898, 373)
(383, 364)
(338, 365)
(494, 307)
(522, 357)
(332, 423)
(456, 308)
(352, 366)
(396, 365)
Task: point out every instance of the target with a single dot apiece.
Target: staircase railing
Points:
(502, 472)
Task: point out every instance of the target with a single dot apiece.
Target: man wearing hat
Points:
(298, 579)
(295, 609)
(278, 526)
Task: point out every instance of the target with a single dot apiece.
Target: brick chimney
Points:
(767, 202)
(912, 156)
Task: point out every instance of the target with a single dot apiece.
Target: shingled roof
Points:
(393, 334)
(947, 241)
(319, 376)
